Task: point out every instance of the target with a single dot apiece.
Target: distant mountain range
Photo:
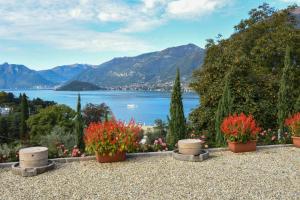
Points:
(147, 70)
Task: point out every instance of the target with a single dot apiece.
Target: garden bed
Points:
(264, 174)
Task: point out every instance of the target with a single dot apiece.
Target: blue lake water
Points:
(143, 106)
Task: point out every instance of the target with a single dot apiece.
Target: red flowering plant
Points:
(240, 128)
(293, 123)
(112, 136)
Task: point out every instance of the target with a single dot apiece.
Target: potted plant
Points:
(111, 140)
(293, 123)
(240, 132)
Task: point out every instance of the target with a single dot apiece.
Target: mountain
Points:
(19, 76)
(146, 69)
(64, 73)
(78, 86)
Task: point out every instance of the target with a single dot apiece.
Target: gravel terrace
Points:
(265, 174)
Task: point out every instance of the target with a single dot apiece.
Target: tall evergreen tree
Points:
(24, 116)
(177, 123)
(297, 105)
(79, 126)
(224, 109)
(283, 105)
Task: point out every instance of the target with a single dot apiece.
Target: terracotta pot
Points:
(296, 141)
(117, 157)
(238, 147)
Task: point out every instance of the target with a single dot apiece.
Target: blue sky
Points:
(42, 34)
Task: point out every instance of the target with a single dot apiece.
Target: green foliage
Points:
(224, 109)
(58, 136)
(297, 105)
(96, 113)
(42, 123)
(177, 123)
(285, 91)
(24, 116)
(8, 152)
(256, 54)
(79, 126)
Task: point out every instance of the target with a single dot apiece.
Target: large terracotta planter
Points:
(238, 147)
(296, 141)
(117, 157)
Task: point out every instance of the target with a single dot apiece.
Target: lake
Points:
(143, 106)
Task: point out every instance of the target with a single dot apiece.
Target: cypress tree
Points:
(297, 105)
(24, 116)
(284, 91)
(224, 109)
(177, 125)
(79, 126)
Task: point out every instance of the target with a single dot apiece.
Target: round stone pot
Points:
(296, 141)
(33, 157)
(117, 157)
(238, 147)
(189, 146)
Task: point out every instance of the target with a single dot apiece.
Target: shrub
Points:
(9, 153)
(240, 128)
(293, 123)
(59, 142)
(112, 136)
(269, 137)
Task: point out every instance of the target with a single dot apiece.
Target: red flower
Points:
(294, 124)
(237, 126)
(111, 136)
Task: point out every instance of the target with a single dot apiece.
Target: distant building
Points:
(4, 110)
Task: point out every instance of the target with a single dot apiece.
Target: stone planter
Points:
(238, 147)
(189, 146)
(296, 141)
(117, 157)
(33, 161)
(33, 157)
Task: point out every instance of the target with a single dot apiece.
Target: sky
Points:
(42, 34)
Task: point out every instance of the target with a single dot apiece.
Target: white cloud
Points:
(78, 24)
(291, 1)
(192, 8)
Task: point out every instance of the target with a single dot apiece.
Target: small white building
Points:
(4, 110)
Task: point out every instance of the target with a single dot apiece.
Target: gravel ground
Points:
(265, 174)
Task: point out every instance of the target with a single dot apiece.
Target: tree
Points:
(256, 53)
(283, 104)
(3, 130)
(79, 126)
(24, 116)
(224, 109)
(297, 105)
(177, 124)
(96, 113)
(43, 122)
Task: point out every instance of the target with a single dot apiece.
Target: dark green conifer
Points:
(224, 109)
(177, 123)
(79, 126)
(24, 116)
(283, 105)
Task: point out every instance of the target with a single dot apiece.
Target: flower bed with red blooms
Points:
(110, 137)
(240, 128)
(294, 124)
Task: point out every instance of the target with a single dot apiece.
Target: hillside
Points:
(156, 68)
(18, 76)
(146, 71)
(78, 86)
(63, 73)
